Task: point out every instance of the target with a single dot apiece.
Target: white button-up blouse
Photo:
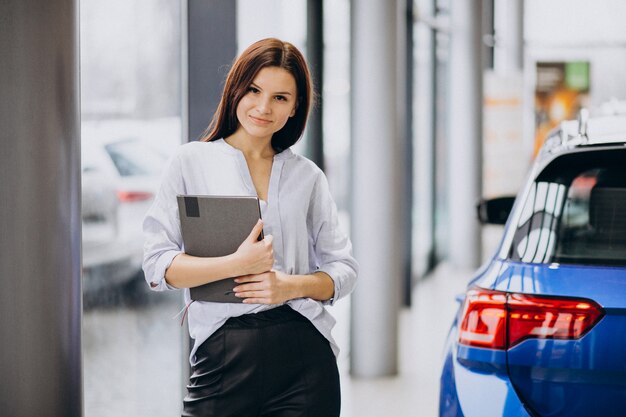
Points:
(299, 212)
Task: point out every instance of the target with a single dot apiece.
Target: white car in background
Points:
(120, 178)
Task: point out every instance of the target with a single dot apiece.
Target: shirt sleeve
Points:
(332, 247)
(161, 227)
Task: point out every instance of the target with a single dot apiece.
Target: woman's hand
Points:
(272, 287)
(255, 256)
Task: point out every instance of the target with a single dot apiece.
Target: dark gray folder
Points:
(215, 226)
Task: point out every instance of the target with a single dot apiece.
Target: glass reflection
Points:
(577, 217)
(131, 120)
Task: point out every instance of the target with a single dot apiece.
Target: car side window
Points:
(132, 158)
(535, 237)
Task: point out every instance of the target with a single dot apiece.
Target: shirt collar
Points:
(286, 154)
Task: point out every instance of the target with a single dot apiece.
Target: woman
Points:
(273, 354)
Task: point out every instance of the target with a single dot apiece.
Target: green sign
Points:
(577, 75)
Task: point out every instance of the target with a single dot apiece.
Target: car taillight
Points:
(549, 317)
(484, 319)
(499, 320)
(131, 196)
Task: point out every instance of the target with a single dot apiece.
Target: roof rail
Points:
(583, 118)
(585, 131)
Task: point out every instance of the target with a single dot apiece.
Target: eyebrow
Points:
(284, 93)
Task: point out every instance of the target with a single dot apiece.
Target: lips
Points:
(258, 121)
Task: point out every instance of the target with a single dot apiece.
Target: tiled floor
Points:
(423, 329)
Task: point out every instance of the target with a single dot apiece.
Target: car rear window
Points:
(575, 213)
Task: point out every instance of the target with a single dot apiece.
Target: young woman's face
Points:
(268, 104)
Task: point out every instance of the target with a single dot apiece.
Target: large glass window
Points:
(131, 121)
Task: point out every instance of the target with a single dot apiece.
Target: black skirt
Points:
(271, 364)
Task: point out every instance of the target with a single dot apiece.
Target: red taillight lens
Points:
(554, 318)
(484, 319)
(498, 320)
(131, 196)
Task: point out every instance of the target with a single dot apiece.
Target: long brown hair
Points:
(270, 52)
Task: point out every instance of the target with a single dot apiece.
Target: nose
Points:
(264, 105)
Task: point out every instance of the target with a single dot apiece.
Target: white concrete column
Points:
(509, 31)
(377, 172)
(465, 132)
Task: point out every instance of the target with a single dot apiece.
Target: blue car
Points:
(541, 328)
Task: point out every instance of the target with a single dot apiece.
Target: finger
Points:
(243, 288)
(256, 285)
(256, 231)
(246, 278)
(250, 294)
(250, 278)
(257, 301)
(268, 240)
(259, 298)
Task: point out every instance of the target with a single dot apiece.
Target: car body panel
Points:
(486, 388)
(572, 377)
(604, 284)
(555, 377)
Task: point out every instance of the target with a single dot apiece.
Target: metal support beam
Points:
(377, 191)
(209, 45)
(465, 132)
(211, 48)
(315, 56)
(40, 225)
(405, 112)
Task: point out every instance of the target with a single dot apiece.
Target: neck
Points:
(253, 147)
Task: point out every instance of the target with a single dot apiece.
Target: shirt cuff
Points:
(332, 273)
(158, 282)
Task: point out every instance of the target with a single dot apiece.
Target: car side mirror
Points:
(495, 210)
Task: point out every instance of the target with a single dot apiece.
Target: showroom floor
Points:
(423, 329)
